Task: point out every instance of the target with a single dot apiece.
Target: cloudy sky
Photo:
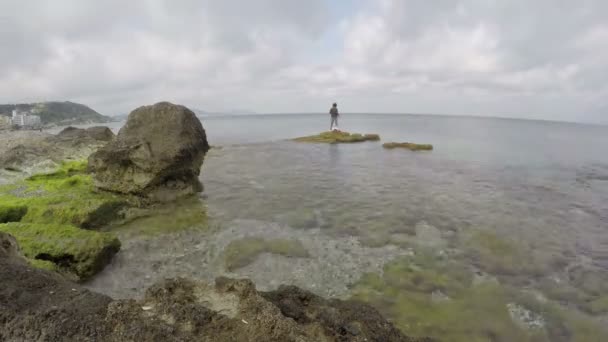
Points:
(541, 59)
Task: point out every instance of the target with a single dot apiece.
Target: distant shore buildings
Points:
(20, 120)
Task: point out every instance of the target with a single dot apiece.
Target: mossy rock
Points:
(76, 252)
(408, 145)
(240, 253)
(336, 137)
(65, 196)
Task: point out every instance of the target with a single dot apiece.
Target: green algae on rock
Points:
(502, 256)
(65, 196)
(185, 213)
(242, 252)
(73, 251)
(408, 145)
(336, 137)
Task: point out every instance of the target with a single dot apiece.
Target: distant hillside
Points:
(58, 112)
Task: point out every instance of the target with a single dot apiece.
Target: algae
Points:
(408, 290)
(242, 252)
(65, 196)
(500, 256)
(72, 250)
(408, 145)
(335, 137)
(185, 213)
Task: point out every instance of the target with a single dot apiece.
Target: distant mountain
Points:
(61, 113)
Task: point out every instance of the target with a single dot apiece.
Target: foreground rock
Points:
(409, 146)
(157, 154)
(46, 213)
(36, 305)
(75, 252)
(336, 137)
(23, 153)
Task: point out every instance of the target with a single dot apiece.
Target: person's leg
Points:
(336, 121)
(332, 122)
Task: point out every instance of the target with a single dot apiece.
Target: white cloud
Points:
(539, 59)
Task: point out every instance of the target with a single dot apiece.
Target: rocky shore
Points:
(52, 233)
(24, 153)
(37, 305)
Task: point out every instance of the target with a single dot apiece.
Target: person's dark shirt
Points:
(333, 111)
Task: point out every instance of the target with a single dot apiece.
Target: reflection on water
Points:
(499, 234)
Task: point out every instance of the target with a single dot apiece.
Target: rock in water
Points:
(157, 154)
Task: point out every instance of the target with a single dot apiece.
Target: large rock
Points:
(157, 154)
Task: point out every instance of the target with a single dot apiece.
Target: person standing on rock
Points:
(333, 111)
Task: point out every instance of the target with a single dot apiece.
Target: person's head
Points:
(335, 105)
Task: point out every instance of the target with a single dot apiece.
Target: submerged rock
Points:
(36, 305)
(240, 253)
(408, 145)
(336, 137)
(157, 154)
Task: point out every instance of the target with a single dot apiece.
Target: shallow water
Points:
(523, 203)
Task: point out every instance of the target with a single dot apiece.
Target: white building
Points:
(25, 120)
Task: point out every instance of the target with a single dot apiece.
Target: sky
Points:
(541, 59)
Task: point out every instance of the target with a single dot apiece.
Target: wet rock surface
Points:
(23, 153)
(157, 154)
(36, 305)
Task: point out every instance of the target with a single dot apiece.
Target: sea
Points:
(500, 233)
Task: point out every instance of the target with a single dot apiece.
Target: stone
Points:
(77, 253)
(157, 154)
(37, 305)
(9, 249)
(408, 145)
(99, 133)
(28, 152)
